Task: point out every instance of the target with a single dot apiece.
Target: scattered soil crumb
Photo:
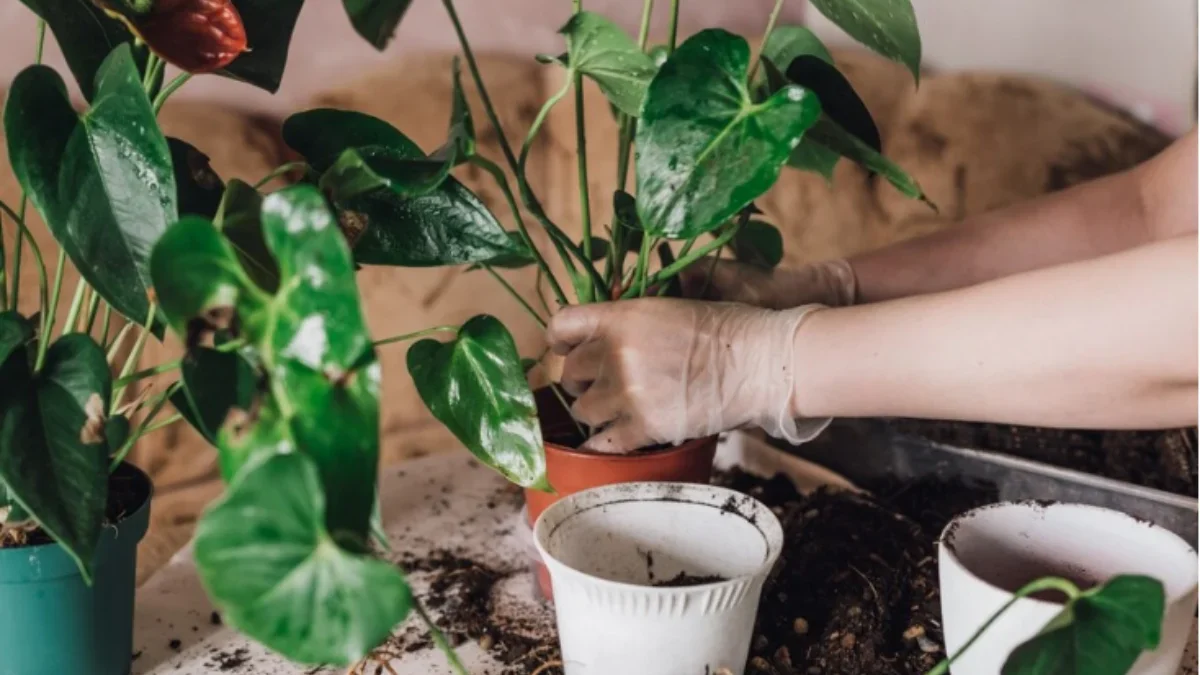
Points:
(228, 661)
(683, 579)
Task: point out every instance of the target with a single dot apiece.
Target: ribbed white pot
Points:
(606, 548)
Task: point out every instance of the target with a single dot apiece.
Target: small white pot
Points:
(988, 553)
(606, 547)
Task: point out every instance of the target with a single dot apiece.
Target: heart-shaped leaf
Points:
(448, 226)
(759, 244)
(214, 383)
(84, 32)
(1102, 632)
(268, 562)
(102, 181)
(475, 385)
(600, 50)
(269, 25)
(200, 188)
(520, 257)
(828, 134)
(361, 171)
(53, 452)
(309, 335)
(238, 219)
(376, 20)
(788, 42)
(705, 149)
(888, 27)
(625, 218)
(838, 99)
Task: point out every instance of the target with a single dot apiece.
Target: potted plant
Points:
(713, 124)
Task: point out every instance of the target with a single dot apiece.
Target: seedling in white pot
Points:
(1110, 594)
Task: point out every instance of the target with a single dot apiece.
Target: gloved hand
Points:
(830, 283)
(660, 370)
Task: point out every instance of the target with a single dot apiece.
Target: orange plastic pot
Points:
(570, 471)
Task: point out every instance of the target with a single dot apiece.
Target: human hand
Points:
(661, 370)
(830, 283)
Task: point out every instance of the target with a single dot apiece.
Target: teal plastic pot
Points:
(51, 623)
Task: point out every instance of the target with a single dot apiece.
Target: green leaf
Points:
(238, 219)
(53, 453)
(807, 155)
(704, 149)
(519, 257)
(475, 386)
(828, 134)
(888, 27)
(460, 141)
(838, 99)
(600, 50)
(84, 32)
(268, 562)
(102, 181)
(16, 332)
(788, 42)
(759, 244)
(200, 188)
(269, 25)
(1102, 632)
(309, 335)
(625, 217)
(376, 20)
(116, 432)
(361, 171)
(448, 226)
(214, 383)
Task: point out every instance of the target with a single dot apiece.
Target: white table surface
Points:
(432, 503)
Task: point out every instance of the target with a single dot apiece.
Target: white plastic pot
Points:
(988, 553)
(607, 547)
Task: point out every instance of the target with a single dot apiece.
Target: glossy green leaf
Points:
(200, 188)
(839, 101)
(310, 337)
(600, 50)
(238, 219)
(84, 32)
(116, 432)
(269, 26)
(448, 226)
(828, 134)
(268, 562)
(214, 383)
(625, 217)
(475, 386)
(808, 155)
(102, 181)
(788, 42)
(376, 20)
(759, 244)
(16, 332)
(705, 149)
(53, 452)
(460, 140)
(520, 256)
(1102, 632)
(361, 171)
(888, 27)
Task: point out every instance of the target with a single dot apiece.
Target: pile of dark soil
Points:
(128, 489)
(1163, 460)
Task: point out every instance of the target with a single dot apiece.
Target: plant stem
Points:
(154, 66)
(165, 423)
(585, 199)
(516, 296)
(136, 354)
(50, 311)
(562, 399)
(439, 639)
(23, 231)
(683, 262)
(643, 264)
(20, 215)
(116, 343)
(502, 180)
(76, 304)
(92, 311)
(144, 427)
(171, 88)
(1044, 584)
(413, 336)
(766, 36)
(167, 367)
(281, 171)
(106, 322)
(673, 31)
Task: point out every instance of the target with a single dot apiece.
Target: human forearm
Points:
(1105, 343)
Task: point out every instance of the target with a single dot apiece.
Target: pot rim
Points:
(687, 446)
(945, 545)
(765, 521)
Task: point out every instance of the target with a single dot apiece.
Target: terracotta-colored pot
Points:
(570, 471)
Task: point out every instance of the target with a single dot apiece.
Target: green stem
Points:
(502, 180)
(76, 304)
(537, 290)
(106, 322)
(567, 407)
(643, 264)
(1044, 584)
(23, 231)
(673, 31)
(171, 88)
(683, 262)
(154, 66)
(167, 367)
(766, 36)
(413, 336)
(160, 425)
(50, 311)
(440, 640)
(116, 343)
(616, 259)
(281, 171)
(585, 199)
(136, 354)
(143, 428)
(516, 296)
(92, 311)
(20, 215)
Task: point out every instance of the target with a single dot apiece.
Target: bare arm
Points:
(1154, 201)
(1103, 343)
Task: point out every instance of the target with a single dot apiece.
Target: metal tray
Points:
(864, 450)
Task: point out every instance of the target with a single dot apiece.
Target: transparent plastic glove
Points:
(661, 370)
(830, 283)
